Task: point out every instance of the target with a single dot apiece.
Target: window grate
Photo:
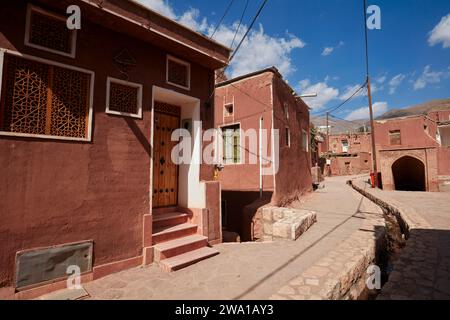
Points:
(49, 31)
(178, 73)
(43, 99)
(123, 98)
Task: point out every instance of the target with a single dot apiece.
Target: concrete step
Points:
(165, 234)
(158, 211)
(169, 219)
(187, 259)
(179, 246)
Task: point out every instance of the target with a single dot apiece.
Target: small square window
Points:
(178, 73)
(48, 31)
(395, 137)
(124, 98)
(229, 110)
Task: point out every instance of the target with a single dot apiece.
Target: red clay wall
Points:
(55, 192)
(344, 166)
(294, 175)
(360, 142)
(246, 95)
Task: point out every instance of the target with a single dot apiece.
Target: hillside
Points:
(344, 126)
(424, 108)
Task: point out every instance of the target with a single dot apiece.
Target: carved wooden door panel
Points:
(165, 172)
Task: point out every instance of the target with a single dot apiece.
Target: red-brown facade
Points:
(58, 191)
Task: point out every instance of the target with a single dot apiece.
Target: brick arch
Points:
(409, 174)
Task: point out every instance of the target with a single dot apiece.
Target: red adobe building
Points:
(413, 153)
(85, 123)
(260, 100)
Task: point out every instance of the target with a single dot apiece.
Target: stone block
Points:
(278, 214)
(292, 227)
(267, 214)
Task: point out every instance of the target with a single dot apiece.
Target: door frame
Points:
(191, 191)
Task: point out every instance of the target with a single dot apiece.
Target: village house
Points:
(257, 102)
(413, 153)
(86, 118)
(348, 154)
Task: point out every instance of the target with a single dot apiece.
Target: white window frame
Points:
(57, 64)
(27, 42)
(287, 131)
(241, 154)
(226, 113)
(187, 64)
(125, 83)
(305, 142)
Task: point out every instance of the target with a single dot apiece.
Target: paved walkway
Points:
(422, 270)
(248, 270)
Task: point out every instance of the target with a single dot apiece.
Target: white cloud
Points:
(441, 33)
(350, 90)
(429, 76)
(381, 79)
(327, 51)
(395, 82)
(325, 93)
(258, 51)
(363, 113)
(160, 6)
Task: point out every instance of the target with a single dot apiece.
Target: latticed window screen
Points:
(44, 99)
(50, 32)
(231, 144)
(178, 73)
(123, 98)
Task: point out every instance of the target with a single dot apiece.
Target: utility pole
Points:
(328, 133)
(369, 95)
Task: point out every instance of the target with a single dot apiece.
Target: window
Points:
(286, 111)
(231, 144)
(229, 110)
(287, 137)
(305, 141)
(178, 73)
(444, 134)
(345, 146)
(124, 98)
(395, 137)
(48, 31)
(45, 99)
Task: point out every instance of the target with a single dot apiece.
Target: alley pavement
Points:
(249, 270)
(422, 269)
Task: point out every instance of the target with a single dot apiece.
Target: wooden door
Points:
(165, 172)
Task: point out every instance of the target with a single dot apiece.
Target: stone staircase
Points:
(176, 242)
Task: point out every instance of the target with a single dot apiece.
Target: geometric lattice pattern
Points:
(123, 98)
(166, 108)
(44, 99)
(50, 32)
(178, 73)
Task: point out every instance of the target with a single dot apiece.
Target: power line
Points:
(343, 103)
(221, 19)
(240, 23)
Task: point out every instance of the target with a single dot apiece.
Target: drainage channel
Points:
(396, 235)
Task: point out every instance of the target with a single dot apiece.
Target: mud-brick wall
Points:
(54, 192)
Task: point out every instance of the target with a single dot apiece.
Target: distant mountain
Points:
(344, 126)
(424, 108)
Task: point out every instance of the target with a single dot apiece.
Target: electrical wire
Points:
(221, 19)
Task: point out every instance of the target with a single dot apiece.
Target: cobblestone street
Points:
(257, 270)
(422, 271)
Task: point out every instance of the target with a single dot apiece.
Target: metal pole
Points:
(328, 133)
(369, 95)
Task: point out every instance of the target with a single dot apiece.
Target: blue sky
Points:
(318, 45)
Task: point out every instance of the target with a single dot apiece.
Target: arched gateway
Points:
(409, 174)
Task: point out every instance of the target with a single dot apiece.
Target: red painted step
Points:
(165, 234)
(169, 219)
(187, 259)
(179, 246)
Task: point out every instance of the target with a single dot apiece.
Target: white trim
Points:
(287, 144)
(125, 83)
(57, 64)
(27, 42)
(241, 154)
(187, 64)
